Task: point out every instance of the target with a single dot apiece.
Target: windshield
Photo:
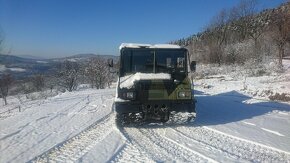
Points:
(153, 61)
(170, 61)
(138, 60)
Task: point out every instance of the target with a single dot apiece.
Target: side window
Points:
(168, 62)
(127, 59)
(180, 62)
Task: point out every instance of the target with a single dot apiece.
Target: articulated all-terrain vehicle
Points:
(153, 83)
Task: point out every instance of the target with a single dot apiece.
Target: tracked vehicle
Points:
(153, 83)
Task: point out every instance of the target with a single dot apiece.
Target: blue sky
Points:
(51, 28)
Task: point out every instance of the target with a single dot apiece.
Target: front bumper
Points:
(137, 107)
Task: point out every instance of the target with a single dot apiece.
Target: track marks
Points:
(129, 153)
(272, 132)
(146, 145)
(161, 148)
(79, 145)
(236, 147)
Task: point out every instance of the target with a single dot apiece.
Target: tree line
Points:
(240, 34)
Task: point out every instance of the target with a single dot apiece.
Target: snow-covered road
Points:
(80, 127)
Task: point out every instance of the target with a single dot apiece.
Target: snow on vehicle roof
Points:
(133, 45)
(161, 46)
(166, 46)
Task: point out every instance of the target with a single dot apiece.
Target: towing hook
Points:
(164, 108)
(156, 109)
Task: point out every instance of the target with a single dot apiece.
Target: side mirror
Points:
(110, 62)
(193, 66)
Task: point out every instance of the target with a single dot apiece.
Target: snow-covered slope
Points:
(41, 127)
(232, 125)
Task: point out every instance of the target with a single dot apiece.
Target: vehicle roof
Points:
(157, 46)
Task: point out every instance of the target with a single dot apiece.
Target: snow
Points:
(2, 67)
(129, 80)
(137, 45)
(72, 59)
(133, 45)
(166, 46)
(233, 124)
(41, 62)
(15, 69)
(49, 122)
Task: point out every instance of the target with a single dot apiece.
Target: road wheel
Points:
(165, 117)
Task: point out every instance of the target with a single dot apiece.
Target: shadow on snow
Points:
(231, 107)
(224, 108)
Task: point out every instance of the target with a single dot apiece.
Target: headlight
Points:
(130, 95)
(184, 94)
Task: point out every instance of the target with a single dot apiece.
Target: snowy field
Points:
(236, 122)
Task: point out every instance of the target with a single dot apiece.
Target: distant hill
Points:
(89, 55)
(93, 56)
(31, 57)
(25, 66)
(86, 57)
(21, 67)
(11, 59)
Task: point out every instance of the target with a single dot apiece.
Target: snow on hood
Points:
(129, 80)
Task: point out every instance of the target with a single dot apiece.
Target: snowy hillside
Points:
(234, 124)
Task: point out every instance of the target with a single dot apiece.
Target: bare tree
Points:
(243, 15)
(102, 74)
(1, 43)
(26, 88)
(51, 82)
(90, 72)
(98, 73)
(68, 75)
(5, 83)
(1, 40)
(5, 79)
(38, 82)
(217, 36)
(257, 27)
(281, 31)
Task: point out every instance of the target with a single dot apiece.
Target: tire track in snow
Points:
(31, 127)
(79, 145)
(145, 145)
(39, 132)
(174, 147)
(160, 148)
(129, 153)
(202, 148)
(239, 148)
(272, 132)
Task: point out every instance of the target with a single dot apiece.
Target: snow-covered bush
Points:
(239, 53)
(280, 97)
(251, 68)
(42, 94)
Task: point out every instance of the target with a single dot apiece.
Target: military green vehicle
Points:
(153, 83)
